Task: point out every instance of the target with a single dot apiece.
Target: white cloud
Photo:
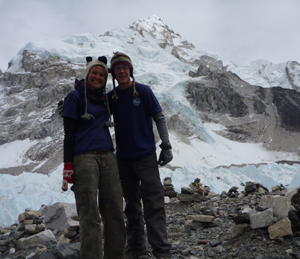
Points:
(236, 30)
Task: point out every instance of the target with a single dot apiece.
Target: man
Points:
(134, 108)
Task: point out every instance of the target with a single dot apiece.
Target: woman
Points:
(89, 158)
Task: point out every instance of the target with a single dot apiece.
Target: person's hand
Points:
(68, 176)
(60, 108)
(166, 155)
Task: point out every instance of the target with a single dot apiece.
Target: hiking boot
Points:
(140, 254)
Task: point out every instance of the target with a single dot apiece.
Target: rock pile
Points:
(253, 223)
(51, 232)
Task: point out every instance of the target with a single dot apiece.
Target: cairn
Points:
(169, 188)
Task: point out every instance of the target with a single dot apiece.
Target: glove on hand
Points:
(60, 108)
(166, 155)
(68, 176)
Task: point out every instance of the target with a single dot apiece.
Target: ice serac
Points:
(266, 74)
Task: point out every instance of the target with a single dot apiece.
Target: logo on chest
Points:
(136, 101)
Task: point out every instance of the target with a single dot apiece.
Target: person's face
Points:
(122, 75)
(97, 77)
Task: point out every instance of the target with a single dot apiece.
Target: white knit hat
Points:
(101, 61)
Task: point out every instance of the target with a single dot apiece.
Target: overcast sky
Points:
(235, 30)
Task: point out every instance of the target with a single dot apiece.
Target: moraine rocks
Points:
(253, 223)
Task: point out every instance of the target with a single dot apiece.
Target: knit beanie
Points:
(120, 58)
(101, 61)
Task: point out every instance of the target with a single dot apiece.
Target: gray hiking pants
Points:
(97, 176)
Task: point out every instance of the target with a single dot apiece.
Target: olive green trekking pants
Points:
(97, 188)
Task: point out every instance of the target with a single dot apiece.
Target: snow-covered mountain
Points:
(219, 114)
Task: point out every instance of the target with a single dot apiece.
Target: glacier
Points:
(218, 162)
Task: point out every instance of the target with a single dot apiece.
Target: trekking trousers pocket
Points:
(81, 195)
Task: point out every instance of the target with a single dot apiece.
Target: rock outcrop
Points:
(250, 113)
(29, 109)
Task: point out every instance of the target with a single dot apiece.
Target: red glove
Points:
(68, 176)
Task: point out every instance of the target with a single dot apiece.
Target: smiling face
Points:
(122, 75)
(97, 77)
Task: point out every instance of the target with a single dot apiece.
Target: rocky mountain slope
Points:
(28, 109)
(248, 112)
(39, 76)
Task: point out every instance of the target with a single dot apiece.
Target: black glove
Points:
(166, 155)
(60, 108)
